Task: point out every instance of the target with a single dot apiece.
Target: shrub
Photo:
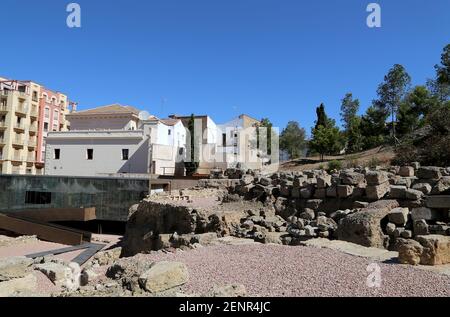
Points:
(334, 165)
(374, 162)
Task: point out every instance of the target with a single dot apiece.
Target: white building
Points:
(225, 145)
(112, 140)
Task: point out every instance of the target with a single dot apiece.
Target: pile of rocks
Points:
(415, 201)
(370, 207)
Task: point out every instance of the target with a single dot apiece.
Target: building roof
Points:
(109, 109)
(170, 122)
(246, 115)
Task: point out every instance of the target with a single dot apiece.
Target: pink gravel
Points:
(271, 270)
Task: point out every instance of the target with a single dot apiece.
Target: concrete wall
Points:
(107, 157)
(112, 197)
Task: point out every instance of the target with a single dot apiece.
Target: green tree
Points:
(192, 164)
(292, 139)
(442, 82)
(414, 108)
(354, 136)
(322, 118)
(373, 127)
(349, 110)
(351, 123)
(392, 91)
(326, 137)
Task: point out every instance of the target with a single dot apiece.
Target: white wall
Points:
(107, 157)
(108, 145)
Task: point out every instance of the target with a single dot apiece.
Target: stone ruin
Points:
(404, 209)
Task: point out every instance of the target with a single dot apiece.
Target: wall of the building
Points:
(107, 155)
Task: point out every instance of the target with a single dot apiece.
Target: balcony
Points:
(34, 112)
(17, 157)
(33, 129)
(31, 143)
(5, 92)
(17, 142)
(22, 95)
(3, 125)
(3, 109)
(22, 110)
(19, 127)
(31, 157)
(2, 141)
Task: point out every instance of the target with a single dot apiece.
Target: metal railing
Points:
(2, 124)
(4, 108)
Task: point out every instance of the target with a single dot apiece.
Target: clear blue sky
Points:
(267, 58)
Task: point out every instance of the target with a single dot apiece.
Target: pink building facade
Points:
(53, 107)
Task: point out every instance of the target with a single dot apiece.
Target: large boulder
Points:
(424, 213)
(351, 178)
(14, 267)
(442, 201)
(436, 249)
(163, 276)
(376, 177)
(409, 251)
(399, 216)
(14, 287)
(429, 172)
(364, 227)
(375, 192)
(59, 273)
(426, 250)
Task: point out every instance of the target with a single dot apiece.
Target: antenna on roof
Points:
(143, 115)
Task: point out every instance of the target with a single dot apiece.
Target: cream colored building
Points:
(22, 125)
(116, 140)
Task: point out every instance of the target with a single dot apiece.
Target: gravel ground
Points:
(271, 270)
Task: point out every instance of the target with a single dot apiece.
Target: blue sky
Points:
(267, 58)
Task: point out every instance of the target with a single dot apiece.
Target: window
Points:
(56, 154)
(35, 96)
(169, 132)
(224, 139)
(125, 154)
(38, 198)
(90, 154)
(45, 126)
(47, 113)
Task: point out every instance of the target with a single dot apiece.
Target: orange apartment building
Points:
(28, 111)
